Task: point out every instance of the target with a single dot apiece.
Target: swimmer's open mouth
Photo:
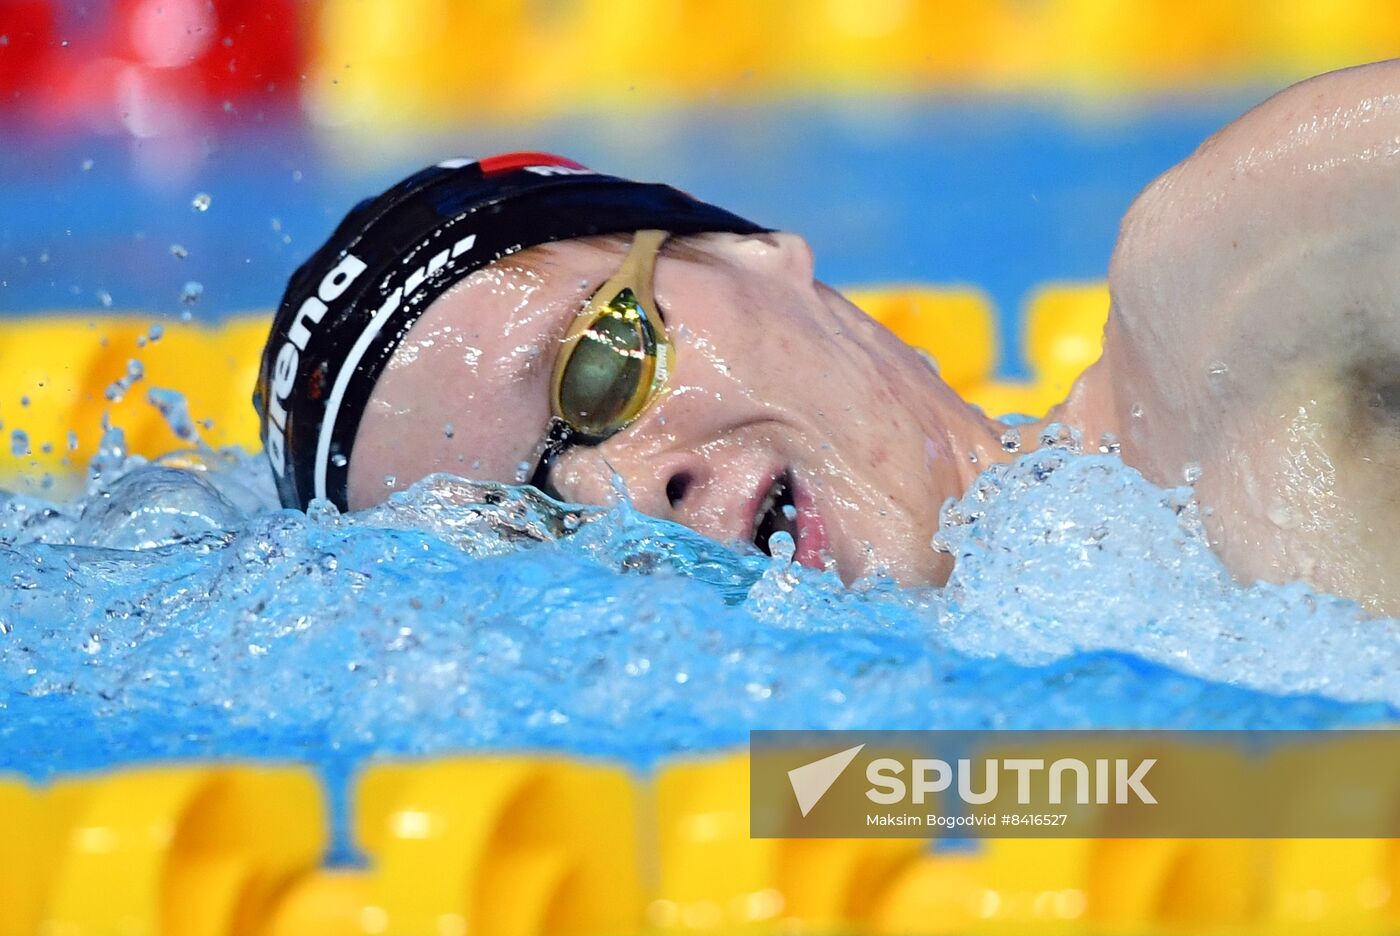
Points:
(786, 507)
(777, 512)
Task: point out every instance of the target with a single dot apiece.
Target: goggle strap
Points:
(556, 440)
(635, 273)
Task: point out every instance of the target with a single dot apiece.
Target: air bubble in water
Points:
(19, 442)
(201, 202)
(191, 293)
(1109, 444)
(1136, 411)
(156, 332)
(1192, 472)
(178, 251)
(339, 460)
(1011, 440)
(390, 480)
(72, 441)
(448, 431)
(104, 297)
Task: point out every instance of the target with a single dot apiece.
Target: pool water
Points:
(176, 613)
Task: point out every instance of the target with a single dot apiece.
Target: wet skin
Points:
(1254, 334)
(776, 377)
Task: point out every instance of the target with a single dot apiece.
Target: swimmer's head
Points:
(523, 319)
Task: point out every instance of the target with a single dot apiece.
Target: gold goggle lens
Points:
(615, 357)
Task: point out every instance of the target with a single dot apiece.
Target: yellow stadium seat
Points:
(956, 325)
(189, 850)
(26, 860)
(500, 846)
(1064, 332)
(715, 876)
(324, 903)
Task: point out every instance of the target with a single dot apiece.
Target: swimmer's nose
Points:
(666, 485)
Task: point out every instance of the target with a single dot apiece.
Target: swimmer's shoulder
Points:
(1255, 332)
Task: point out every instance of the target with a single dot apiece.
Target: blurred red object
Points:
(155, 68)
(27, 40)
(259, 53)
(238, 49)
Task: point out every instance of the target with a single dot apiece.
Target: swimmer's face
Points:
(782, 393)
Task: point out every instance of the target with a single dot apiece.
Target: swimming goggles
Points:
(614, 361)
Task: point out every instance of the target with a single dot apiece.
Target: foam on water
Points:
(174, 612)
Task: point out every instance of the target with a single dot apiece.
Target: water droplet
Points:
(201, 202)
(1059, 436)
(339, 460)
(1136, 411)
(5, 626)
(1109, 444)
(175, 411)
(104, 297)
(19, 442)
(156, 332)
(63, 43)
(1218, 368)
(72, 441)
(522, 472)
(390, 480)
(448, 431)
(86, 165)
(178, 251)
(1192, 472)
(1011, 440)
(191, 293)
(790, 512)
(782, 547)
(92, 645)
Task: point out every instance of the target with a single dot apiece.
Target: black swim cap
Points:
(348, 307)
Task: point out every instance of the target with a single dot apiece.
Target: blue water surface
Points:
(172, 613)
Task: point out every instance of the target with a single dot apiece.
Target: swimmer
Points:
(522, 319)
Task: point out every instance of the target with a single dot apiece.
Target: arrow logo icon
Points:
(811, 781)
